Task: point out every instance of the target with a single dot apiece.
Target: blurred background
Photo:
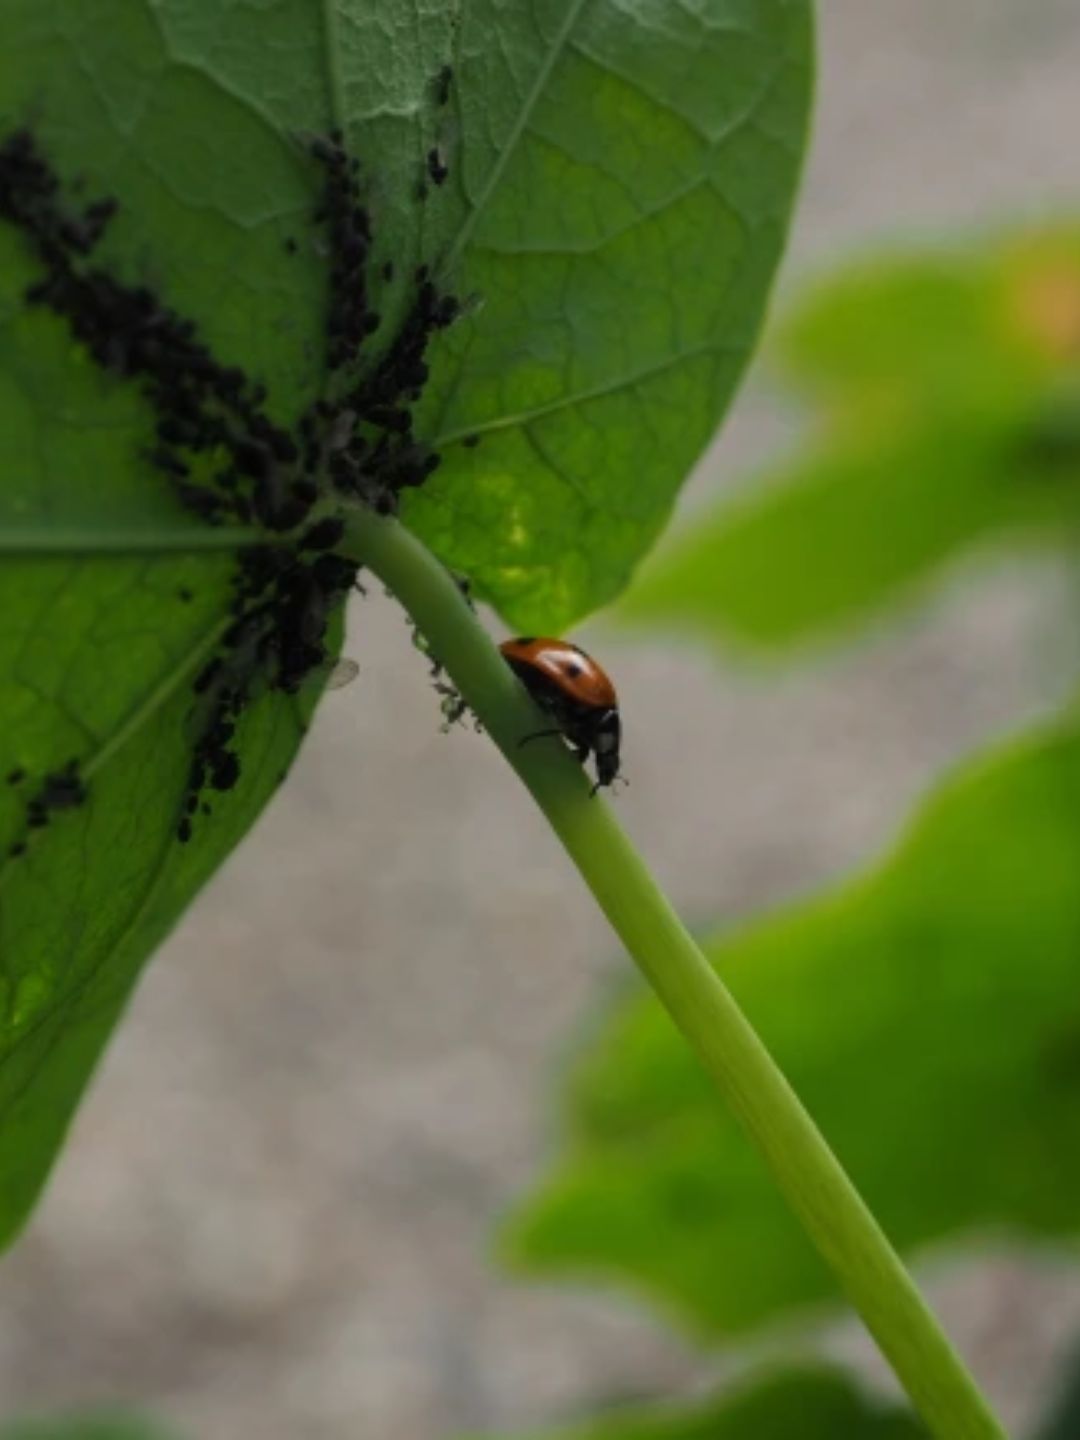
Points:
(275, 1214)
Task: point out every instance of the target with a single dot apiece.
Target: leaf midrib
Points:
(40, 541)
(332, 62)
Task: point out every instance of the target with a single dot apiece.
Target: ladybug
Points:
(576, 693)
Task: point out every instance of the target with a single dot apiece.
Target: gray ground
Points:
(272, 1218)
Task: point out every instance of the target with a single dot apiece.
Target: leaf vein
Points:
(581, 397)
(555, 50)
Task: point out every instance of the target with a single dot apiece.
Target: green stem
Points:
(817, 1189)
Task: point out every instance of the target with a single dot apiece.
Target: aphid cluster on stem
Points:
(452, 703)
(222, 455)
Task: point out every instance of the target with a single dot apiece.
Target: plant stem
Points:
(809, 1175)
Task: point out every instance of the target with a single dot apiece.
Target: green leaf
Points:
(606, 144)
(623, 192)
(927, 1014)
(619, 187)
(82, 1427)
(947, 413)
(795, 1404)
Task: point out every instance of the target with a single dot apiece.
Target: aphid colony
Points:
(60, 790)
(224, 458)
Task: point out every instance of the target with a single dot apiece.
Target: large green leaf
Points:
(190, 113)
(929, 1016)
(796, 1404)
(948, 397)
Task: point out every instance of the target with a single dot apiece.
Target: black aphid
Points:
(443, 81)
(437, 167)
(464, 585)
(62, 789)
(324, 534)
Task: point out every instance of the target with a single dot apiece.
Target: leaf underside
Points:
(626, 176)
(619, 181)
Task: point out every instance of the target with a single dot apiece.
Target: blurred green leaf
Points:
(626, 175)
(947, 406)
(796, 1404)
(82, 1427)
(590, 150)
(928, 1015)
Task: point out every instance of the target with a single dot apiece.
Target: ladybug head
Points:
(606, 735)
